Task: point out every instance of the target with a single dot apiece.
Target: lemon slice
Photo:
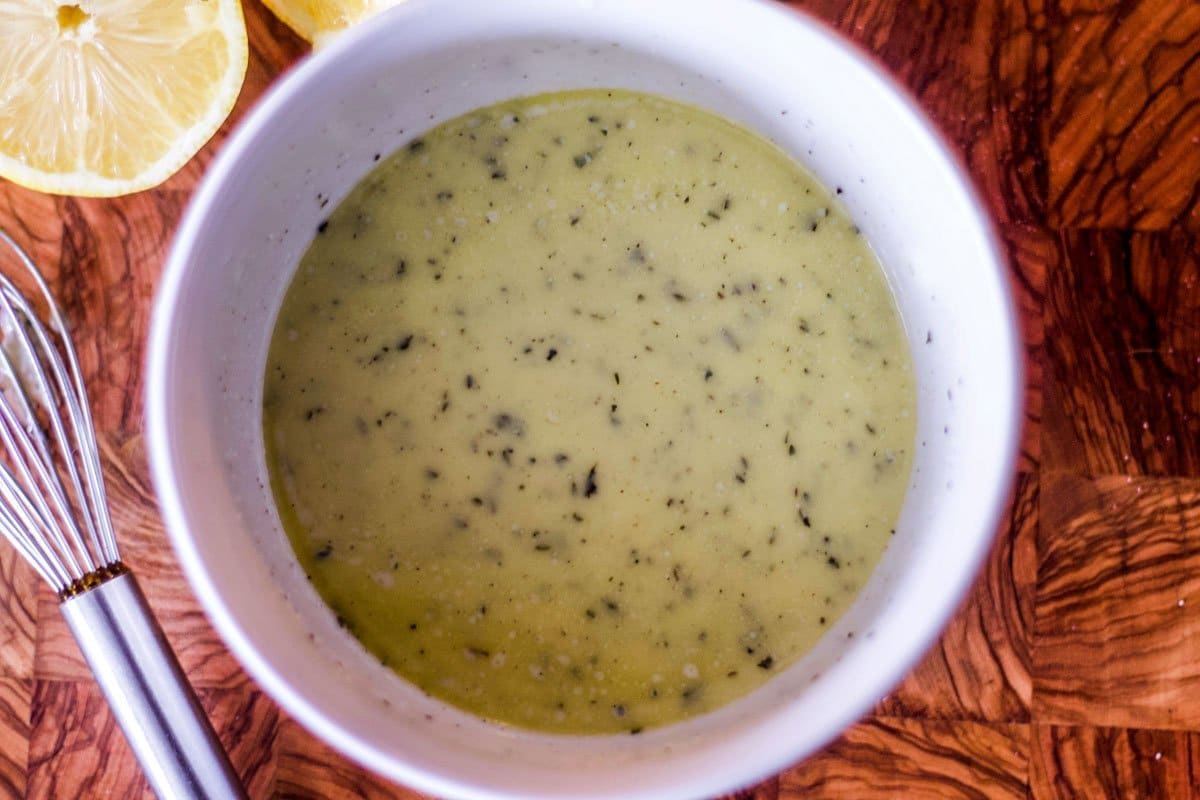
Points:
(106, 97)
(319, 20)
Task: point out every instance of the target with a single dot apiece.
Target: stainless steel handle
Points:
(149, 695)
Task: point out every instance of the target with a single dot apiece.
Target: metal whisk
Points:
(53, 511)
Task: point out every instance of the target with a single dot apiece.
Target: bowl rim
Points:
(168, 484)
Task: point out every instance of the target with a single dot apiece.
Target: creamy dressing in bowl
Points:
(589, 412)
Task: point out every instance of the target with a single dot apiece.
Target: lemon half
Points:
(319, 20)
(106, 97)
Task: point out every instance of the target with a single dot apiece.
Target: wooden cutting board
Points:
(1073, 669)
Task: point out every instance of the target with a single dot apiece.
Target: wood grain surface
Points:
(1073, 668)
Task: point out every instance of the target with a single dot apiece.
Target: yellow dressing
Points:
(589, 412)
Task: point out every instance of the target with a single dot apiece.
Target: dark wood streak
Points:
(1118, 603)
(767, 790)
(889, 757)
(1033, 255)
(1122, 337)
(1109, 762)
(248, 725)
(309, 770)
(1123, 116)
(105, 289)
(15, 697)
(76, 749)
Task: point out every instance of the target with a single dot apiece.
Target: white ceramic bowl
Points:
(317, 132)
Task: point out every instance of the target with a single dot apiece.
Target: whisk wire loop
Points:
(15, 526)
(53, 490)
(27, 447)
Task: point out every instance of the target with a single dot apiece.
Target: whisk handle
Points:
(150, 697)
